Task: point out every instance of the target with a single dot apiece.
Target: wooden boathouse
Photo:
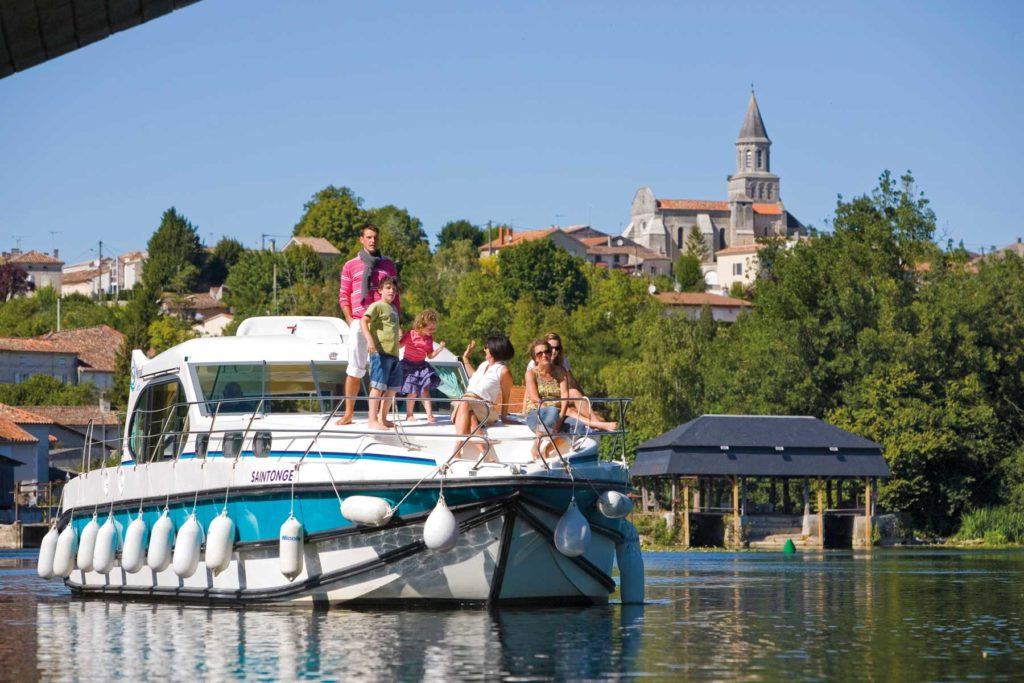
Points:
(747, 481)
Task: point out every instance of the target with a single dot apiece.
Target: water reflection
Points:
(881, 615)
(97, 640)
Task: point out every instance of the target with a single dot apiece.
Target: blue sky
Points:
(530, 113)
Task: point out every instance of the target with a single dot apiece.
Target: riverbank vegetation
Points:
(870, 325)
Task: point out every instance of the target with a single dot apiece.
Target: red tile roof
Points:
(318, 244)
(74, 415)
(30, 345)
(700, 299)
(96, 346)
(693, 204)
(741, 249)
(35, 257)
(80, 276)
(22, 416)
(705, 205)
(517, 237)
(12, 433)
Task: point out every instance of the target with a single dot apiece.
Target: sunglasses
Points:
(545, 352)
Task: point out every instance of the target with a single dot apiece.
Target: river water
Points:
(907, 615)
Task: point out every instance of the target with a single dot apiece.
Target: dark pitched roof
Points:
(753, 126)
(759, 445)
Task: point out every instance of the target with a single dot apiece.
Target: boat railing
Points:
(171, 439)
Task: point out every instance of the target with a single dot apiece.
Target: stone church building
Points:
(754, 208)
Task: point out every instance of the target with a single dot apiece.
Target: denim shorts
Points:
(548, 415)
(385, 372)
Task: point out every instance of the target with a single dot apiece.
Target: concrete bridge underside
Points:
(34, 31)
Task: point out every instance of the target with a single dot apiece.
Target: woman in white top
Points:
(489, 384)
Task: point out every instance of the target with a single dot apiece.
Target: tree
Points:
(217, 264)
(696, 245)
(455, 231)
(13, 281)
(334, 213)
(175, 255)
(543, 271)
(689, 274)
(251, 283)
(43, 390)
(401, 237)
(166, 332)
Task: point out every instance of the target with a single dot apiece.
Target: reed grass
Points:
(995, 526)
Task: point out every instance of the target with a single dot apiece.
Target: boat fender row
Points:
(97, 548)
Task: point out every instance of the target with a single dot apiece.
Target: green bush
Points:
(996, 526)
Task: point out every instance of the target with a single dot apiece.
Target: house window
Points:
(737, 269)
(597, 258)
(759, 158)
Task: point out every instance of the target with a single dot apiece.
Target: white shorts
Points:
(357, 355)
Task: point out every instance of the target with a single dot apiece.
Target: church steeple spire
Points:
(753, 125)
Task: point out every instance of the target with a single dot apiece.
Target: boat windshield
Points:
(282, 387)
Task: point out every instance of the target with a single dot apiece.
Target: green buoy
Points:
(788, 547)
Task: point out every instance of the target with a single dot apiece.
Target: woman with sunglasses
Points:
(579, 407)
(545, 384)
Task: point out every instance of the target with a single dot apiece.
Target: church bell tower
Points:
(753, 180)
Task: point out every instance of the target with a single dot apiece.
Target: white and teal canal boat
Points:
(237, 486)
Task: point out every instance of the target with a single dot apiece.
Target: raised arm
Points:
(437, 350)
(466, 362)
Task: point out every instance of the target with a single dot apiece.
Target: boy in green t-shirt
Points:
(380, 327)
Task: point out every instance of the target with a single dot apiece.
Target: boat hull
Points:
(505, 550)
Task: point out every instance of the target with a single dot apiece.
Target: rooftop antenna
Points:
(53, 242)
(558, 217)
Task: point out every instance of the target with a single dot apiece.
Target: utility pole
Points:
(100, 263)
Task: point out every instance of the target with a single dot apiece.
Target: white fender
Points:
(290, 547)
(572, 535)
(105, 552)
(87, 544)
(47, 549)
(614, 504)
(186, 547)
(631, 566)
(159, 556)
(67, 545)
(133, 554)
(441, 531)
(220, 542)
(366, 510)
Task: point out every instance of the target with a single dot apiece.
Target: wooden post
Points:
(696, 495)
(821, 515)
(868, 511)
(643, 494)
(828, 495)
(686, 513)
(675, 495)
(736, 521)
(743, 495)
(786, 506)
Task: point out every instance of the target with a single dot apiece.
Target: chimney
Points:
(104, 403)
(56, 253)
(609, 240)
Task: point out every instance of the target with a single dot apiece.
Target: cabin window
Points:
(158, 422)
(271, 387)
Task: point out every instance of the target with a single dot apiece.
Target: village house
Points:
(723, 308)
(71, 356)
(593, 246)
(42, 269)
(321, 246)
